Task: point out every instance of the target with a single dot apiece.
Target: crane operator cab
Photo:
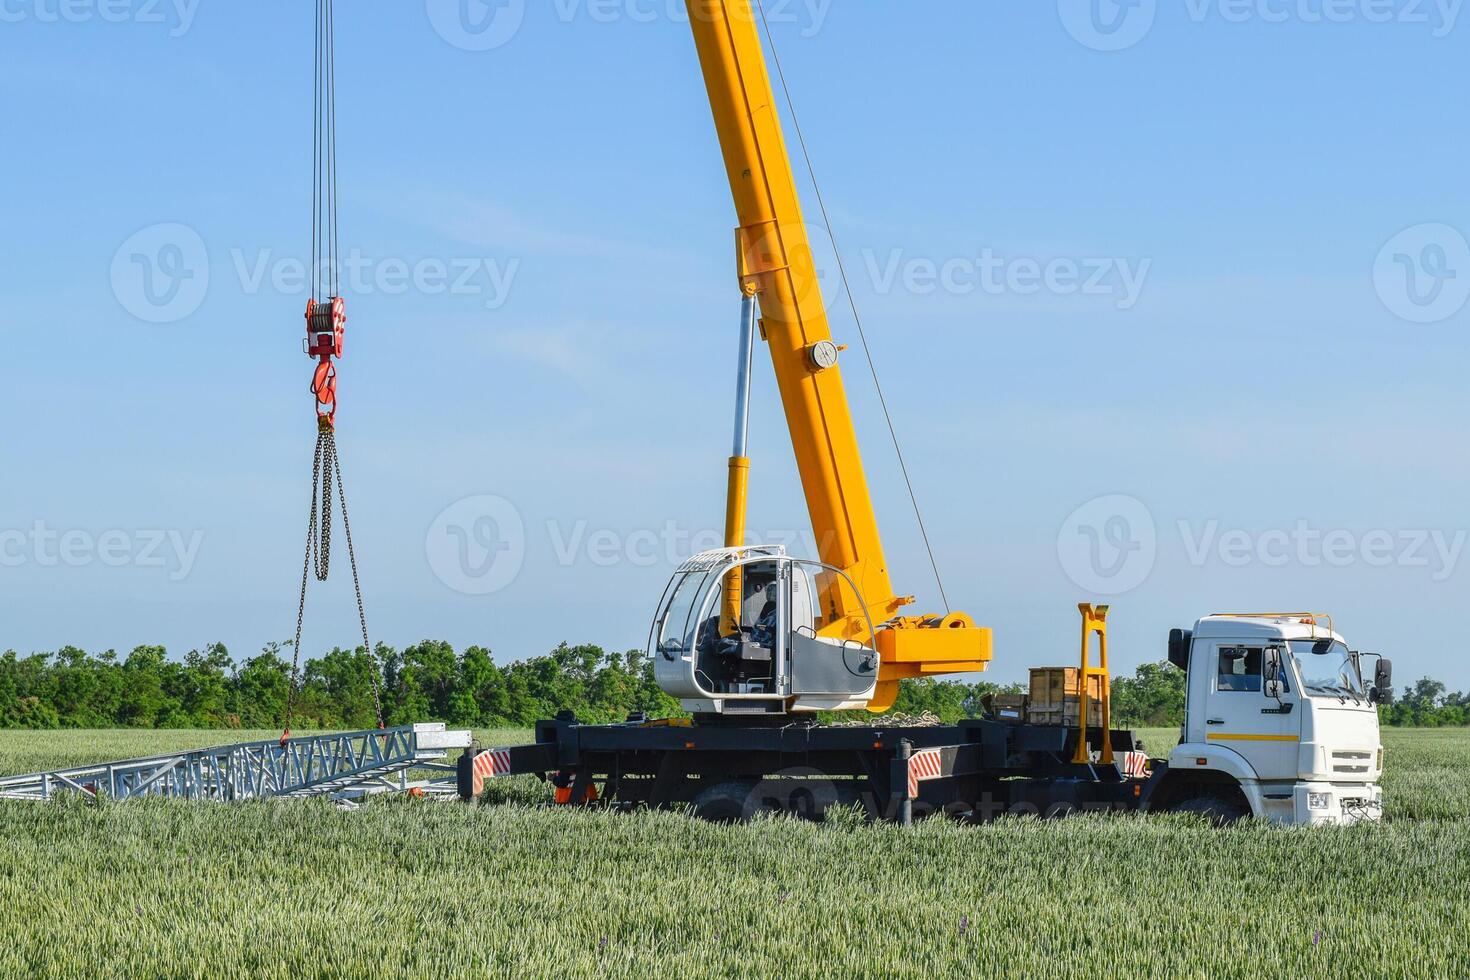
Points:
(737, 632)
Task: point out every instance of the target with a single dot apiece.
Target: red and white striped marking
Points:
(488, 765)
(928, 764)
(1133, 764)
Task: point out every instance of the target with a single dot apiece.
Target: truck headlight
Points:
(1319, 801)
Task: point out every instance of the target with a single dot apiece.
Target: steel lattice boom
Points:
(339, 766)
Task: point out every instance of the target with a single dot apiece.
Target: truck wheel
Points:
(1218, 811)
(727, 803)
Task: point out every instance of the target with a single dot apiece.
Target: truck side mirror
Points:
(1272, 673)
(1179, 641)
(1383, 682)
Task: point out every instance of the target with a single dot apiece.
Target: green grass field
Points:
(404, 887)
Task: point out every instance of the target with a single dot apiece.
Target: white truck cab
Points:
(1279, 723)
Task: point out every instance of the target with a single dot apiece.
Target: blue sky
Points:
(1180, 326)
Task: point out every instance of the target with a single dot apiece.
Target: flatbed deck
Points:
(736, 768)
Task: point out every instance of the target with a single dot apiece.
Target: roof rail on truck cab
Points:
(1287, 626)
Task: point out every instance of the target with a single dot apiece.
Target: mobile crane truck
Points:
(754, 642)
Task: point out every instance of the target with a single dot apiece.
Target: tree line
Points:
(432, 681)
(1154, 698)
(424, 682)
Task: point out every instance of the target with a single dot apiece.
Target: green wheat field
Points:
(401, 887)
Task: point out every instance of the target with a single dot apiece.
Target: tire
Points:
(726, 803)
(1218, 811)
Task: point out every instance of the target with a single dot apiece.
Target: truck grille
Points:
(1352, 762)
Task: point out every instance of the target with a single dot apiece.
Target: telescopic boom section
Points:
(776, 265)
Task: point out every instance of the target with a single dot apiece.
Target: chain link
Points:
(325, 469)
(367, 644)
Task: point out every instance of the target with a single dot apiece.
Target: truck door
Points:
(1240, 716)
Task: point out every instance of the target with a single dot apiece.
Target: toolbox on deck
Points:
(1009, 708)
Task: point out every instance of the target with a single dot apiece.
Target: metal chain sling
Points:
(326, 322)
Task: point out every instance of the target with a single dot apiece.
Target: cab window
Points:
(1240, 669)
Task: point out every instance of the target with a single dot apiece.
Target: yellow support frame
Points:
(1095, 622)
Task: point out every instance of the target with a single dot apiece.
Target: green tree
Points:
(258, 689)
(144, 702)
(480, 696)
(36, 714)
(204, 686)
(1152, 698)
(337, 692)
(1426, 694)
(74, 688)
(945, 699)
(424, 685)
(9, 690)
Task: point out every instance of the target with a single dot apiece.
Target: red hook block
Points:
(326, 326)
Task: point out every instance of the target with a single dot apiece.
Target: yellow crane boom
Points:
(776, 266)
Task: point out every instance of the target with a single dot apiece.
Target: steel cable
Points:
(852, 304)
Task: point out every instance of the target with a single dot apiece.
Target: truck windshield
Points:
(1328, 668)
